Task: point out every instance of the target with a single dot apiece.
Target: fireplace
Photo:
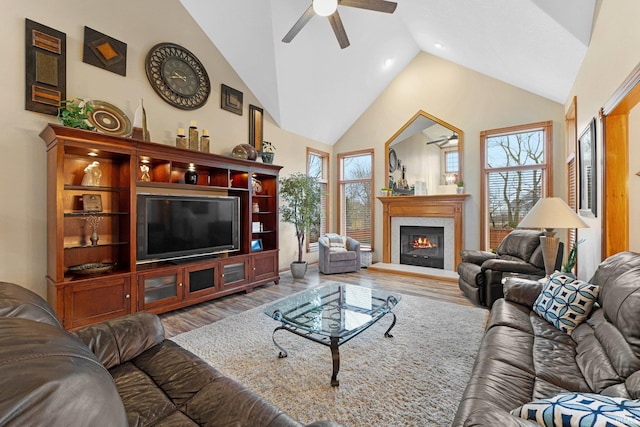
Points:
(422, 246)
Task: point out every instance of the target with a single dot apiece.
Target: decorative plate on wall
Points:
(107, 118)
(177, 76)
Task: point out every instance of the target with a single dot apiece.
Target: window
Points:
(355, 211)
(318, 166)
(451, 164)
(515, 167)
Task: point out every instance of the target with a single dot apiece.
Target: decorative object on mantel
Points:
(45, 68)
(74, 113)
(104, 52)
(268, 152)
(177, 76)
(256, 121)
(244, 151)
(460, 187)
(181, 140)
(301, 195)
(193, 136)
(109, 119)
(230, 99)
(140, 130)
(204, 141)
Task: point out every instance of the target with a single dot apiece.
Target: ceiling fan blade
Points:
(301, 22)
(338, 29)
(375, 5)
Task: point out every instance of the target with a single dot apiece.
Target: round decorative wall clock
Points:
(178, 76)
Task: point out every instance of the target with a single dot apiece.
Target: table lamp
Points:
(551, 213)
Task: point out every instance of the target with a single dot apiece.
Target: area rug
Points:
(415, 378)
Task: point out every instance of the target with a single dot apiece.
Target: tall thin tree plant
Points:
(301, 196)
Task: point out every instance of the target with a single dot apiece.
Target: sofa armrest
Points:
(475, 256)
(510, 266)
(119, 340)
(522, 291)
(353, 245)
(489, 417)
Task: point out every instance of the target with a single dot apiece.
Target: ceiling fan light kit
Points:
(329, 8)
(325, 7)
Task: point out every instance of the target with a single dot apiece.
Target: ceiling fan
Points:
(329, 8)
(444, 140)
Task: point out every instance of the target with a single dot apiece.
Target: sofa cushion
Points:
(565, 302)
(589, 410)
(49, 378)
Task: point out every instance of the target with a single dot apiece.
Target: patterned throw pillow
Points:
(565, 302)
(583, 410)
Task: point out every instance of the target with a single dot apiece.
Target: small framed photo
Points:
(256, 245)
(256, 227)
(92, 203)
(230, 99)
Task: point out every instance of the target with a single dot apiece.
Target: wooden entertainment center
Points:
(129, 286)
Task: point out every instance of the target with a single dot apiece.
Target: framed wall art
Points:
(45, 68)
(231, 99)
(256, 120)
(588, 171)
(104, 52)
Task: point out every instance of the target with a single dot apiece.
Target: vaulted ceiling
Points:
(313, 88)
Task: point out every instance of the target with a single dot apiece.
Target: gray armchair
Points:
(519, 254)
(338, 254)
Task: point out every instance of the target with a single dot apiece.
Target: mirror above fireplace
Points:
(425, 154)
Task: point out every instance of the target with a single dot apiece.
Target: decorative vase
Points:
(94, 237)
(267, 157)
(298, 269)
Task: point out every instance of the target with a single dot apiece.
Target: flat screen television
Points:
(172, 227)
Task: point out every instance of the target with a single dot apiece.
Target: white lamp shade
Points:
(325, 7)
(552, 212)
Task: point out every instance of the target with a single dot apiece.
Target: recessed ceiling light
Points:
(387, 63)
(92, 154)
(439, 46)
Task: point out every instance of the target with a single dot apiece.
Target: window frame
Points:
(546, 167)
(325, 157)
(342, 182)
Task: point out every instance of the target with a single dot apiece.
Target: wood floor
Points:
(193, 317)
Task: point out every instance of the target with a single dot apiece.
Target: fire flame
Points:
(423, 243)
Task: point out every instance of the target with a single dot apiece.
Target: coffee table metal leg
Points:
(387, 334)
(283, 352)
(335, 356)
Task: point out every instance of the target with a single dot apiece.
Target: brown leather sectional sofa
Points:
(523, 357)
(117, 373)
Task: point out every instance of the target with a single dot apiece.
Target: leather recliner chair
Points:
(519, 254)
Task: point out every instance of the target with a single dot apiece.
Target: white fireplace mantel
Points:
(434, 206)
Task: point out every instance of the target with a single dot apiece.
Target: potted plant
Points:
(460, 185)
(268, 151)
(301, 196)
(572, 258)
(74, 113)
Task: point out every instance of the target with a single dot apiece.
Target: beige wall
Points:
(467, 100)
(141, 24)
(613, 53)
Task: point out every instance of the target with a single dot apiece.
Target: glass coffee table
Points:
(331, 315)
